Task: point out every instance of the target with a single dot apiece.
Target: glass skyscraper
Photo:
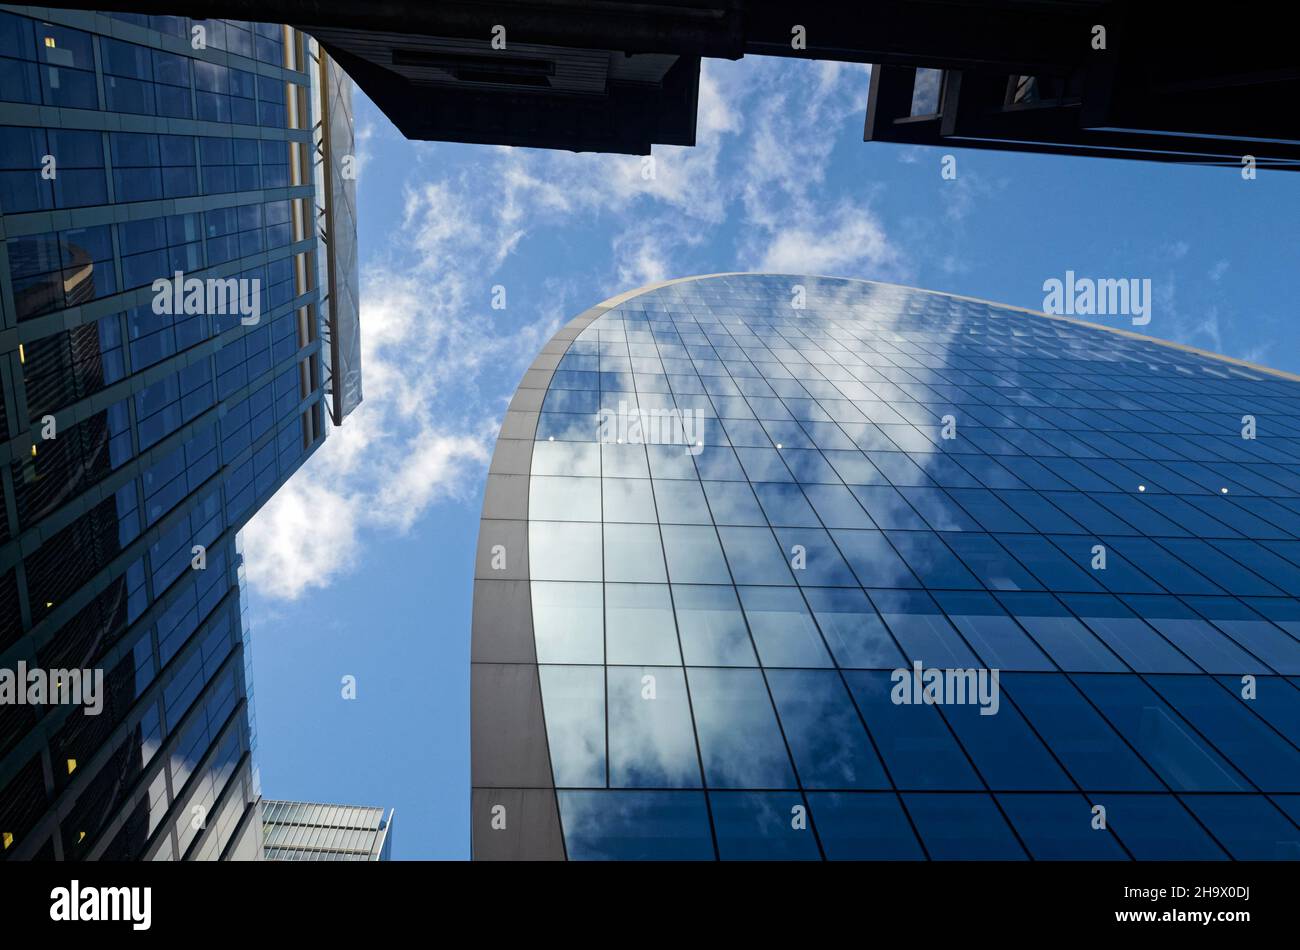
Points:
(307, 831)
(800, 567)
(135, 444)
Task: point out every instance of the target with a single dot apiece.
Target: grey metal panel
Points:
(498, 539)
(537, 378)
(546, 361)
(532, 825)
(508, 737)
(506, 497)
(526, 400)
(512, 457)
(519, 425)
(503, 624)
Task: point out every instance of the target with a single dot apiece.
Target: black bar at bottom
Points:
(301, 900)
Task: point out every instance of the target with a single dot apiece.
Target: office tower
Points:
(306, 831)
(141, 428)
(1127, 79)
(800, 567)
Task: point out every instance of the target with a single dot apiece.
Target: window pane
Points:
(739, 739)
(857, 826)
(712, 628)
(574, 701)
(651, 742)
(567, 622)
(782, 627)
(762, 826)
(830, 747)
(635, 826)
(639, 624)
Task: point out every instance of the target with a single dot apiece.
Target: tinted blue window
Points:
(1060, 827)
(574, 701)
(922, 631)
(917, 747)
(1272, 698)
(1158, 828)
(1250, 826)
(999, 640)
(851, 628)
(636, 826)
(829, 744)
(932, 561)
(1085, 743)
(1164, 739)
(782, 627)
(739, 738)
(651, 744)
(1061, 635)
(1266, 757)
(1004, 748)
(1260, 637)
(1130, 637)
(769, 826)
(712, 627)
(957, 827)
(694, 554)
(857, 826)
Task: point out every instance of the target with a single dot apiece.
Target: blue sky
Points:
(362, 565)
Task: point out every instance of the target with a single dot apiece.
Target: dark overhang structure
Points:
(1115, 78)
(1139, 81)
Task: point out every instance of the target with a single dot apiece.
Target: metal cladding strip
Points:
(514, 808)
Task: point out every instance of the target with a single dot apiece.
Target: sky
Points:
(362, 565)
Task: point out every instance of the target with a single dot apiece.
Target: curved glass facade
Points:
(818, 568)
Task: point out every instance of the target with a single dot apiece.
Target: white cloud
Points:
(1258, 354)
(302, 538)
(424, 430)
(642, 258)
(960, 193)
(1173, 251)
(852, 240)
(792, 222)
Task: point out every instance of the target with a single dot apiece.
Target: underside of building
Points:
(1076, 77)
